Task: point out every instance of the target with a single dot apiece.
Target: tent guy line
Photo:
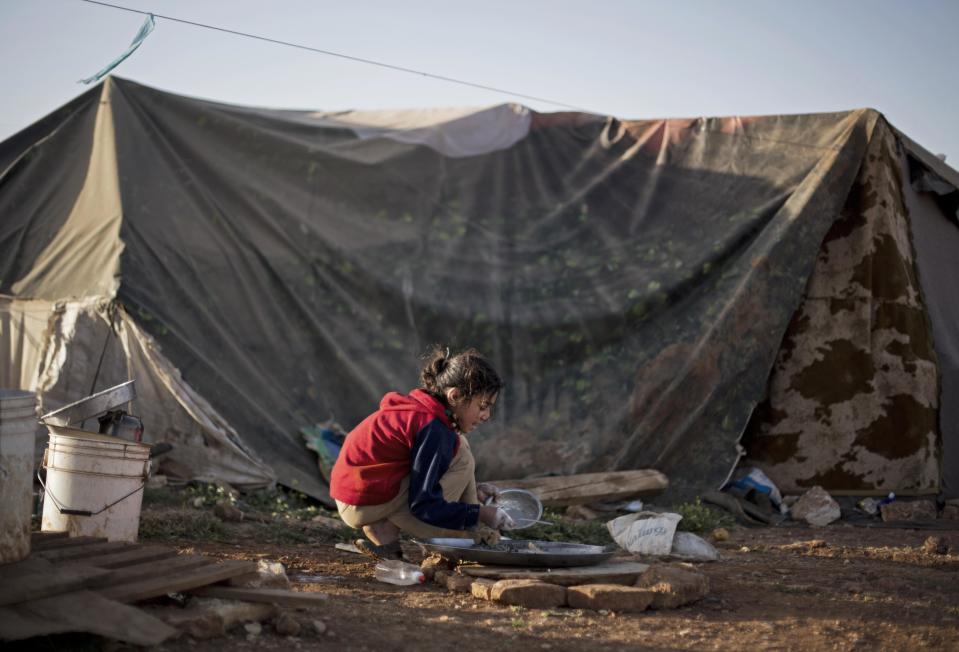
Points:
(371, 62)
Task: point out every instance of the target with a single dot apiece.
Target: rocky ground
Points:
(834, 588)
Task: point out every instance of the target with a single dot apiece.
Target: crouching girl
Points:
(408, 468)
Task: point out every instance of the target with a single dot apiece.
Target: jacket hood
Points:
(416, 401)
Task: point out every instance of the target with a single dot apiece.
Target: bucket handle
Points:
(84, 512)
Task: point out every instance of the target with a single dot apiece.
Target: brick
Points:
(528, 593)
(613, 597)
(914, 510)
(459, 583)
(482, 588)
(673, 587)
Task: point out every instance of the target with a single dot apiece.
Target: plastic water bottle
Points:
(394, 571)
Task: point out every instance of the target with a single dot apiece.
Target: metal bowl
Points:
(521, 505)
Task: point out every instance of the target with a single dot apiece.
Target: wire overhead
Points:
(340, 55)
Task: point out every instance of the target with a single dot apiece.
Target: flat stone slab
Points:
(531, 594)
(609, 572)
(613, 597)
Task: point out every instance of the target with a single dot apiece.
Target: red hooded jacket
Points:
(377, 454)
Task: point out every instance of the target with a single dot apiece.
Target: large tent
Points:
(658, 294)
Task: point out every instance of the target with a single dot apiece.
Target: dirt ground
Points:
(842, 587)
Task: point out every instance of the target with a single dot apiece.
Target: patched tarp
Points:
(631, 280)
(854, 395)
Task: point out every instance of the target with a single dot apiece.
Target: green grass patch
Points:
(164, 525)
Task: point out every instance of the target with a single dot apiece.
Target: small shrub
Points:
(701, 519)
(589, 532)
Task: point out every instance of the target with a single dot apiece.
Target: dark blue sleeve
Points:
(430, 459)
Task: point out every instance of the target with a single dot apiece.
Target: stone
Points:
(913, 510)
(935, 546)
(319, 627)
(482, 588)
(532, 594)
(673, 586)
(209, 617)
(459, 583)
(433, 563)
(951, 512)
(286, 625)
(816, 507)
(268, 575)
(720, 534)
(253, 629)
(225, 511)
(610, 597)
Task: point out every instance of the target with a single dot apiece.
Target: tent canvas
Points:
(641, 285)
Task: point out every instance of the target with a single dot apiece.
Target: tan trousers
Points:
(458, 484)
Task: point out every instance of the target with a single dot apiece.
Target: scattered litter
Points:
(754, 480)
(325, 439)
(869, 506)
(347, 547)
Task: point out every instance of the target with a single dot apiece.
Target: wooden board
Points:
(151, 570)
(82, 611)
(33, 578)
(135, 555)
(561, 490)
(610, 572)
(64, 542)
(174, 582)
(37, 537)
(80, 552)
(271, 596)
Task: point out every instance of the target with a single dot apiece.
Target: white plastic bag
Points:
(645, 533)
(687, 545)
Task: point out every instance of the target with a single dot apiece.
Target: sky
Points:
(634, 59)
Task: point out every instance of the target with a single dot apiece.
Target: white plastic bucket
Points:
(94, 484)
(18, 423)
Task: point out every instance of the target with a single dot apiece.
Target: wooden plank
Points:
(610, 572)
(151, 570)
(177, 582)
(136, 555)
(34, 578)
(79, 552)
(271, 596)
(82, 611)
(37, 537)
(561, 490)
(65, 542)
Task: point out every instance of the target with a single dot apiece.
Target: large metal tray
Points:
(552, 554)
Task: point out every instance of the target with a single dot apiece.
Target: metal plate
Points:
(92, 405)
(519, 552)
